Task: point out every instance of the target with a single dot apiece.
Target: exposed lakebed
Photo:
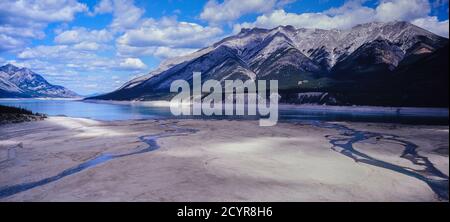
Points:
(342, 141)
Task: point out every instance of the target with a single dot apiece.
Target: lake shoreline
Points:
(132, 110)
(409, 111)
(223, 160)
(392, 111)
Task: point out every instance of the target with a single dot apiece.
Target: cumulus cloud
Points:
(118, 47)
(33, 31)
(9, 43)
(138, 36)
(21, 21)
(55, 53)
(402, 10)
(85, 77)
(81, 34)
(347, 16)
(21, 12)
(231, 10)
(166, 37)
(85, 39)
(74, 58)
(352, 13)
(75, 68)
(125, 13)
(77, 52)
(432, 24)
(161, 52)
(132, 63)
(104, 6)
(169, 32)
(88, 46)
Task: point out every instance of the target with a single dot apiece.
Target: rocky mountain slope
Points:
(352, 66)
(18, 82)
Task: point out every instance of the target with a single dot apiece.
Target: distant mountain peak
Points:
(9, 68)
(252, 30)
(23, 82)
(9, 65)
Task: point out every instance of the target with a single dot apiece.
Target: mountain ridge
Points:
(367, 51)
(18, 82)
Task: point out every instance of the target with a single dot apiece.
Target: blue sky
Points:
(93, 46)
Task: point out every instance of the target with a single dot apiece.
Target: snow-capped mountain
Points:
(22, 82)
(330, 60)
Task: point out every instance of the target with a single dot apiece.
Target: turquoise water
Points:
(80, 109)
(102, 111)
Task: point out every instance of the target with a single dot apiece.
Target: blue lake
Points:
(109, 111)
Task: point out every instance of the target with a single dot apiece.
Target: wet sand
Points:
(213, 161)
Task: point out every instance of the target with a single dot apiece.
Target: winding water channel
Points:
(151, 140)
(348, 137)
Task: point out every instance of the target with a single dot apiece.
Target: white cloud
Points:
(346, 16)
(74, 60)
(133, 63)
(81, 34)
(21, 21)
(402, 10)
(77, 58)
(47, 11)
(169, 32)
(76, 68)
(162, 38)
(56, 52)
(33, 31)
(432, 24)
(9, 43)
(283, 3)
(166, 38)
(353, 13)
(161, 52)
(104, 6)
(125, 14)
(230, 10)
(88, 46)
(16, 37)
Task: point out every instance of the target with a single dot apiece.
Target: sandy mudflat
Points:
(222, 161)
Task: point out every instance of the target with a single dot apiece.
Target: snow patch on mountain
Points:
(290, 54)
(24, 82)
